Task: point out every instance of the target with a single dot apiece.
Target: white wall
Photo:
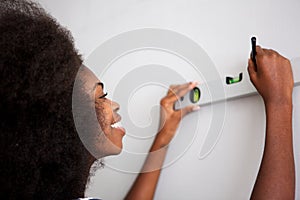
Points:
(223, 29)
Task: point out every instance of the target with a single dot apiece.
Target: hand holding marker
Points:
(194, 95)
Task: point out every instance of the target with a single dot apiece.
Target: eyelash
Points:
(103, 96)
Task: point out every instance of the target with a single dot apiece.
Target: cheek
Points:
(104, 116)
(112, 137)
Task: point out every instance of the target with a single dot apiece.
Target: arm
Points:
(273, 79)
(145, 184)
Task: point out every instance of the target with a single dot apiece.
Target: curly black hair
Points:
(42, 156)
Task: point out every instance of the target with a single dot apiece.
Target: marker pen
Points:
(253, 53)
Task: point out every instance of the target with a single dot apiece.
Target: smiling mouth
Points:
(118, 126)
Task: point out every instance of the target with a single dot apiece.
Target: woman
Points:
(42, 155)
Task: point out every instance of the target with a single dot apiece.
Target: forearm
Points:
(276, 177)
(145, 184)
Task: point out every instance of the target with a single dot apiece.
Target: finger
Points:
(173, 87)
(189, 109)
(184, 89)
(251, 67)
(252, 70)
(172, 90)
(259, 50)
(176, 88)
(183, 86)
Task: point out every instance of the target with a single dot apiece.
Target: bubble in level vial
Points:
(231, 80)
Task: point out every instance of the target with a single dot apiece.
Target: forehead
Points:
(88, 83)
(89, 79)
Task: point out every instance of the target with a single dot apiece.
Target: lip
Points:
(117, 118)
(121, 129)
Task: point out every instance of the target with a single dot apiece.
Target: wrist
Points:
(282, 105)
(279, 102)
(281, 113)
(163, 138)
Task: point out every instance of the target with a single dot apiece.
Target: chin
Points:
(114, 146)
(113, 150)
(117, 152)
(113, 141)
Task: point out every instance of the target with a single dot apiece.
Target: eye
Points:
(103, 96)
(101, 84)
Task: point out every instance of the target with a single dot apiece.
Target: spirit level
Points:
(236, 87)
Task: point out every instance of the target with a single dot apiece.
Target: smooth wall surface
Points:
(223, 29)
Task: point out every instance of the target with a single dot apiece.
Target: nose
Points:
(115, 106)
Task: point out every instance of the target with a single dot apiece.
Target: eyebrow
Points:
(98, 83)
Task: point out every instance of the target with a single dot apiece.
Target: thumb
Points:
(188, 109)
(252, 71)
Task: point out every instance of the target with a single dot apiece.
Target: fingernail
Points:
(196, 108)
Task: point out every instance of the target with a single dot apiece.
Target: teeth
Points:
(116, 125)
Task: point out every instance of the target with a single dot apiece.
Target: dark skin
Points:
(273, 80)
(55, 164)
(276, 177)
(145, 184)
